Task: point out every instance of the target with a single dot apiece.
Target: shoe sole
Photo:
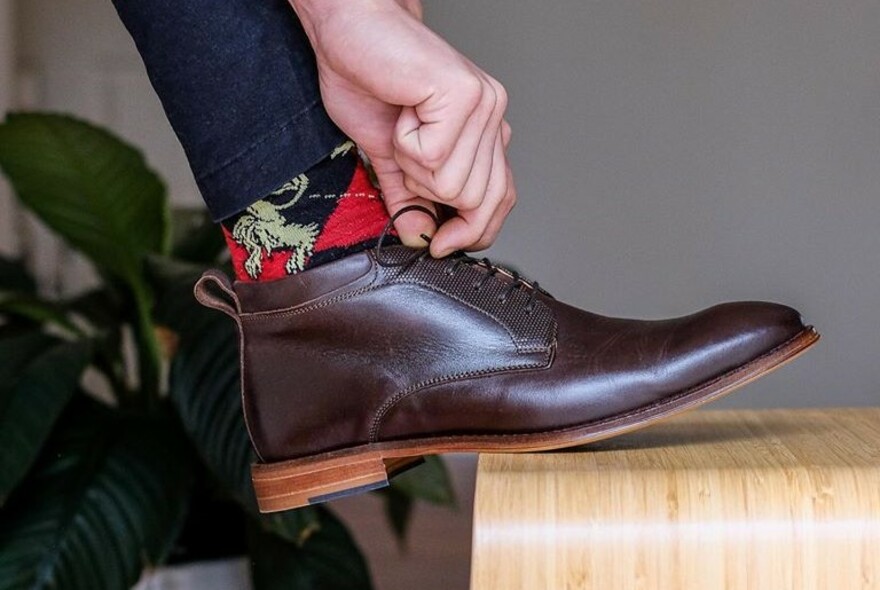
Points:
(327, 476)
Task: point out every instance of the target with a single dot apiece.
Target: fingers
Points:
(426, 134)
(451, 149)
(474, 175)
(477, 229)
(508, 202)
(445, 145)
(396, 196)
(485, 163)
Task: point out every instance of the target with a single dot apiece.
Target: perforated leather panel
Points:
(531, 331)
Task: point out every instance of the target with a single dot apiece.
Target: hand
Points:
(430, 121)
(414, 7)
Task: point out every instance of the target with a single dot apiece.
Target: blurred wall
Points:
(673, 154)
(75, 56)
(669, 154)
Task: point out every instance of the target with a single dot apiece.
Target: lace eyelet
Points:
(455, 259)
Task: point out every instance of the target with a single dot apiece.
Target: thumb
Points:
(396, 196)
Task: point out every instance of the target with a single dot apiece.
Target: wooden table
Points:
(779, 499)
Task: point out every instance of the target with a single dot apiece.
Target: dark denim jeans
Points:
(238, 81)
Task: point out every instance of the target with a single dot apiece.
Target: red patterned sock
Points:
(329, 212)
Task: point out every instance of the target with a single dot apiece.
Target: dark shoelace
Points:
(456, 259)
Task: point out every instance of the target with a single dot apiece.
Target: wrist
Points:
(312, 13)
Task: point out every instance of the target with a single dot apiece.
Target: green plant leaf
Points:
(101, 307)
(14, 277)
(105, 500)
(88, 185)
(102, 311)
(98, 194)
(205, 389)
(17, 348)
(429, 482)
(398, 509)
(32, 400)
(327, 559)
(37, 310)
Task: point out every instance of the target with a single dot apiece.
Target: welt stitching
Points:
(401, 395)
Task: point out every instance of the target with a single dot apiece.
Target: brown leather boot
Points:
(355, 368)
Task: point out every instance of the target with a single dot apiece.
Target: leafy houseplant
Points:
(105, 477)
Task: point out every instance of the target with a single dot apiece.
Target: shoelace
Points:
(456, 260)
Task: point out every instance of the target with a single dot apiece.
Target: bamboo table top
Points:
(776, 499)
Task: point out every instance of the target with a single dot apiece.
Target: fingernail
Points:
(411, 240)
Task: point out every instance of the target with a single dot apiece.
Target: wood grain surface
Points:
(775, 499)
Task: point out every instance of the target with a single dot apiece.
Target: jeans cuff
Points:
(295, 146)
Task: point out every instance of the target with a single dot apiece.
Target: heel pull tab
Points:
(225, 300)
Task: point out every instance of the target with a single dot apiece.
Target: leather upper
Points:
(353, 352)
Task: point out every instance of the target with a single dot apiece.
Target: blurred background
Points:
(669, 155)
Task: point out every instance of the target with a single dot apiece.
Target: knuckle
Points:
(483, 242)
(471, 89)
(503, 188)
(397, 140)
(489, 102)
(468, 201)
(473, 236)
(477, 246)
(434, 154)
(498, 189)
(411, 185)
(498, 196)
(446, 188)
(502, 97)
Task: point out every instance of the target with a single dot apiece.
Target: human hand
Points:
(430, 121)
(414, 7)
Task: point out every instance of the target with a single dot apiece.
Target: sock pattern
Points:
(330, 211)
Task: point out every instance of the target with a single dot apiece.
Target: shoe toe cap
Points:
(729, 335)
